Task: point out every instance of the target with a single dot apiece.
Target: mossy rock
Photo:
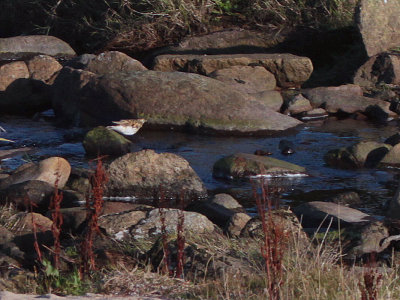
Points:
(101, 141)
(243, 165)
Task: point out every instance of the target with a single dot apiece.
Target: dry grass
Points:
(138, 25)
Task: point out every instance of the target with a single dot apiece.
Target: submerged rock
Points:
(243, 165)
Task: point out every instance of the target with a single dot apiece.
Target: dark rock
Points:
(286, 147)
(22, 195)
(393, 140)
(102, 141)
(262, 152)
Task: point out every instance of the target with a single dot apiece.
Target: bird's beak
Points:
(5, 140)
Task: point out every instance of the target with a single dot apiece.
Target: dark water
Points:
(375, 186)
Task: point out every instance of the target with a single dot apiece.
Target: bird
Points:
(127, 127)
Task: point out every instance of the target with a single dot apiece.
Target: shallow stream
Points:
(312, 141)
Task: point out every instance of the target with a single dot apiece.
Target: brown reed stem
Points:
(94, 205)
(55, 205)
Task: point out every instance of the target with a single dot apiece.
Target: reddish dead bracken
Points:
(274, 243)
(94, 205)
(55, 205)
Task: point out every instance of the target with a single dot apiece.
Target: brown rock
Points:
(43, 68)
(144, 173)
(236, 223)
(298, 105)
(378, 23)
(11, 72)
(289, 70)
(48, 170)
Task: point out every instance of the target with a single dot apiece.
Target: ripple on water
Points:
(311, 143)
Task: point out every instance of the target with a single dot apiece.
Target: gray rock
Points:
(314, 214)
(378, 23)
(226, 201)
(106, 62)
(289, 70)
(151, 226)
(145, 173)
(345, 98)
(21, 46)
(271, 99)
(117, 224)
(236, 224)
(244, 165)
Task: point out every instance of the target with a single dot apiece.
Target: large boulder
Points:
(145, 173)
(179, 100)
(346, 98)
(379, 23)
(289, 70)
(22, 46)
(106, 62)
(242, 165)
(50, 170)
